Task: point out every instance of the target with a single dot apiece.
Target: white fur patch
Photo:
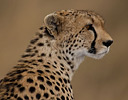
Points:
(98, 55)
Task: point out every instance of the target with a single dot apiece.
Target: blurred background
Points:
(105, 79)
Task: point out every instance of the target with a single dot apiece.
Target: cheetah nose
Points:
(107, 43)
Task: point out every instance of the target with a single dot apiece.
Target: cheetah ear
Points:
(53, 23)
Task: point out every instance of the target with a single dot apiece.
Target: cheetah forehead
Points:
(74, 12)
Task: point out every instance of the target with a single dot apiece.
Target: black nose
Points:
(107, 43)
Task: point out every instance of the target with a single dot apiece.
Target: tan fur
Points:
(54, 55)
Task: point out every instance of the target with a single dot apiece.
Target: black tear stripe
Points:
(93, 49)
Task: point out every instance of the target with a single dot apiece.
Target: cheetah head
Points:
(79, 32)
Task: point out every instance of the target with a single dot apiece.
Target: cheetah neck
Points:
(75, 59)
(43, 50)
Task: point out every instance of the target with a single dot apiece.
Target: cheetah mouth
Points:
(99, 54)
(103, 53)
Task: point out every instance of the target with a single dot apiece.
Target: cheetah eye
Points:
(89, 27)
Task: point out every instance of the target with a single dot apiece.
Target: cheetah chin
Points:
(98, 55)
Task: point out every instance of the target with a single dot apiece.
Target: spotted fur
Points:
(45, 70)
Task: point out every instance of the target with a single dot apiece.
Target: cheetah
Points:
(46, 68)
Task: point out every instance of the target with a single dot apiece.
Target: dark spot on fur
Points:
(65, 81)
(61, 64)
(69, 90)
(26, 97)
(59, 57)
(58, 73)
(29, 80)
(47, 71)
(63, 52)
(76, 35)
(46, 66)
(46, 95)
(12, 90)
(62, 68)
(48, 45)
(67, 98)
(69, 63)
(41, 28)
(72, 54)
(21, 89)
(75, 45)
(50, 55)
(52, 77)
(19, 85)
(15, 96)
(60, 80)
(66, 89)
(49, 83)
(36, 51)
(47, 77)
(19, 77)
(35, 64)
(36, 84)
(40, 71)
(43, 54)
(42, 87)
(72, 67)
(40, 60)
(58, 98)
(51, 92)
(40, 35)
(58, 83)
(27, 55)
(57, 88)
(54, 66)
(69, 48)
(48, 63)
(66, 51)
(19, 98)
(40, 78)
(64, 58)
(74, 41)
(69, 52)
(34, 47)
(31, 72)
(28, 50)
(55, 62)
(63, 90)
(32, 55)
(32, 89)
(40, 44)
(38, 96)
(67, 58)
(34, 41)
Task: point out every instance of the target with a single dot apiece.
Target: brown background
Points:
(105, 79)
